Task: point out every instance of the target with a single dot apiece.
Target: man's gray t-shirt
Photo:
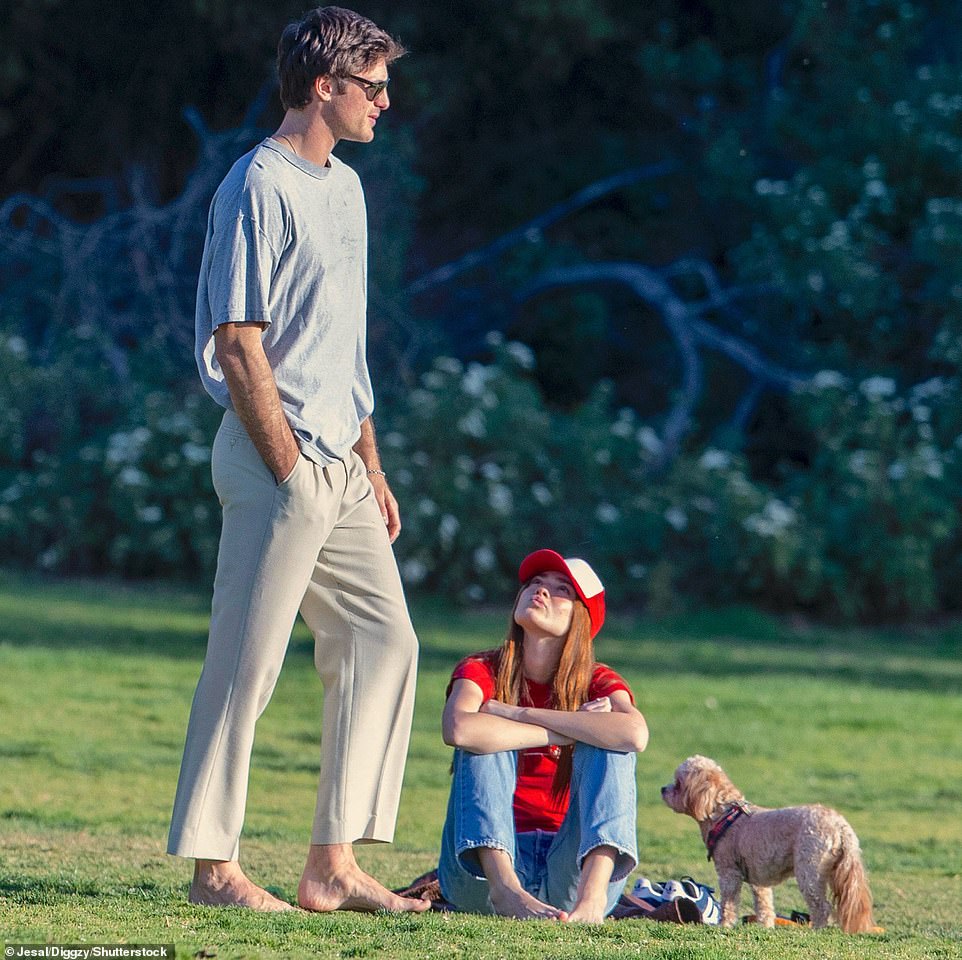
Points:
(287, 246)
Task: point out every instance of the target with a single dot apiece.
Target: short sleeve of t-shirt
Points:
(241, 263)
(604, 682)
(479, 667)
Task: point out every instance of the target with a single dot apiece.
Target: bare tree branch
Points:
(532, 229)
(689, 332)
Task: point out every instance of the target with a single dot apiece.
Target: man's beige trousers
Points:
(316, 544)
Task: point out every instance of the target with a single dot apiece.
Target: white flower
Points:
(930, 389)
(677, 518)
(713, 459)
(404, 477)
(176, 423)
(433, 380)
(603, 457)
(427, 507)
(775, 517)
(541, 493)
(897, 471)
(132, 477)
(475, 380)
(494, 338)
(449, 365)
(473, 424)
(422, 400)
(475, 592)
(12, 493)
(126, 447)
(464, 463)
(522, 354)
(195, 453)
(17, 346)
(877, 388)
(860, 463)
(637, 571)
(931, 462)
(484, 559)
(491, 471)
(650, 441)
(393, 439)
(420, 458)
(151, 514)
(49, 558)
(607, 512)
(413, 571)
(448, 526)
(501, 499)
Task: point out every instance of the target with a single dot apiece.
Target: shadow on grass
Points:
(44, 890)
(168, 621)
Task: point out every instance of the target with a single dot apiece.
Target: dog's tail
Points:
(849, 883)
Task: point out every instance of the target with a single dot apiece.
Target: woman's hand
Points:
(498, 709)
(601, 705)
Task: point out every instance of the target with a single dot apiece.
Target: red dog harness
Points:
(720, 827)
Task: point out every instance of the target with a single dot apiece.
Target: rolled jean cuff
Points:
(473, 863)
(625, 862)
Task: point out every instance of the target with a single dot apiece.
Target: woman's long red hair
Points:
(569, 685)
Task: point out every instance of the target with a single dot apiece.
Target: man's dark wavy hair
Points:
(328, 41)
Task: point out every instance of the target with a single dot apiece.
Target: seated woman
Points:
(541, 817)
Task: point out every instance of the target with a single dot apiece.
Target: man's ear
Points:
(324, 87)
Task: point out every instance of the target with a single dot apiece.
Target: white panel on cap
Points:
(585, 577)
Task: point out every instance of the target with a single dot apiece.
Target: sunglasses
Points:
(372, 88)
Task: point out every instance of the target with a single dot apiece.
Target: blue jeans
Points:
(602, 812)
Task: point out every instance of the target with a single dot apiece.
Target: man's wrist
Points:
(377, 473)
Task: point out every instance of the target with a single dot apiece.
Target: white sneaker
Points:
(697, 892)
(651, 893)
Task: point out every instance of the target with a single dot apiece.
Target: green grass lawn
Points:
(96, 686)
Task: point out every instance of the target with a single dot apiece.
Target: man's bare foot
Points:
(332, 880)
(589, 910)
(222, 883)
(521, 905)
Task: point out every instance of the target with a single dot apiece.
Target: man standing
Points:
(308, 517)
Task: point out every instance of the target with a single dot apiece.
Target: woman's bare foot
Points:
(521, 905)
(332, 880)
(222, 883)
(589, 910)
(596, 872)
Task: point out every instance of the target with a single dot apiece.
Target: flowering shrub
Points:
(485, 472)
(92, 481)
(880, 498)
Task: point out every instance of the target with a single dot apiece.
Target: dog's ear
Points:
(705, 787)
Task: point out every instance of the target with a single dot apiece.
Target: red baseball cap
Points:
(586, 583)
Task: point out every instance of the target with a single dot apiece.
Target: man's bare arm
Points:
(366, 449)
(253, 392)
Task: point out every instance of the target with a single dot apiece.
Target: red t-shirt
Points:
(535, 806)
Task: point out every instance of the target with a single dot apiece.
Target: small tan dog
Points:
(764, 847)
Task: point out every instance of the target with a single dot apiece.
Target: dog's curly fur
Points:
(766, 847)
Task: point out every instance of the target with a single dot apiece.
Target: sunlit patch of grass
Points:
(97, 686)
